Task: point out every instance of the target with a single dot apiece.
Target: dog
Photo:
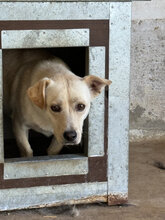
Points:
(41, 93)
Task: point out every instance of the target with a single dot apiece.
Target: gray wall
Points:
(147, 97)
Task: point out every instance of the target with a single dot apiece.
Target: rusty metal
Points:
(117, 199)
(88, 200)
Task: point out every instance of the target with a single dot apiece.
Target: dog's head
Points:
(66, 100)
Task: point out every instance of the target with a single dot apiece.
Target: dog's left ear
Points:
(96, 84)
(36, 93)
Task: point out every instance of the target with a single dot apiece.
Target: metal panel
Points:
(96, 116)
(119, 68)
(54, 10)
(73, 0)
(50, 195)
(1, 112)
(45, 38)
(60, 165)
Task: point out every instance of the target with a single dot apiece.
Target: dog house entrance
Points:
(89, 60)
(75, 58)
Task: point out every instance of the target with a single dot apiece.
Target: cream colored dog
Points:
(41, 93)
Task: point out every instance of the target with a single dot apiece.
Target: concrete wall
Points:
(147, 99)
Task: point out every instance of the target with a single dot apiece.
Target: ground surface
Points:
(146, 193)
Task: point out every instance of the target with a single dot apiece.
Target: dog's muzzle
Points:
(70, 136)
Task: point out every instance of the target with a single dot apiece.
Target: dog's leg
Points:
(21, 134)
(54, 147)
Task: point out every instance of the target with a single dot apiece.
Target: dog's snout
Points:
(70, 135)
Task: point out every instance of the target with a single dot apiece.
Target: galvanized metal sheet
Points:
(72, 0)
(47, 166)
(96, 116)
(45, 38)
(119, 68)
(54, 10)
(49, 195)
(1, 112)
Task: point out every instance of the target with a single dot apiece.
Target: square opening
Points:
(76, 59)
(73, 46)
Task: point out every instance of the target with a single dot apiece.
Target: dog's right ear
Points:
(96, 84)
(36, 93)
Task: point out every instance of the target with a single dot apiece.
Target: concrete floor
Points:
(146, 193)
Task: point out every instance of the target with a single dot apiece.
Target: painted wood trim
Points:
(1, 112)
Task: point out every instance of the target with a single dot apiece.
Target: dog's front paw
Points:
(25, 153)
(55, 147)
(52, 151)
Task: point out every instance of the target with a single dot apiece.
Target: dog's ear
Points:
(36, 93)
(96, 84)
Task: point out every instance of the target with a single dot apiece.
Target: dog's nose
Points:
(70, 135)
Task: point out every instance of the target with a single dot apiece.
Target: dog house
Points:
(98, 35)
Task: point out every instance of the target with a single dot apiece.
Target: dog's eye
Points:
(80, 107)
(55, 108)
